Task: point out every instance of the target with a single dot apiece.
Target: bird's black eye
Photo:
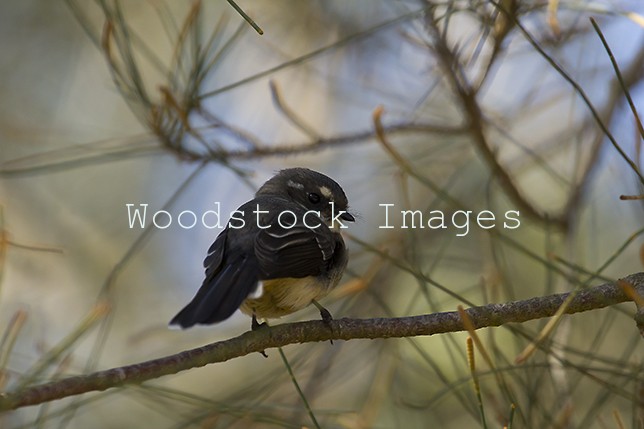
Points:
(314, 198)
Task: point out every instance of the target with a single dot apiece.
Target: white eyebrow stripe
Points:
(326, 191)
(293, 184)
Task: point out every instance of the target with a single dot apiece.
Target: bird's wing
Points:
(216, 251)
(231, 275)
(297, 252)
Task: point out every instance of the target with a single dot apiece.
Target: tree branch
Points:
(344, 329)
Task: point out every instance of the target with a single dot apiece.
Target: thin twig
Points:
(631, 76)
(631, 197)
(92, 153)
(475, 380)
(619, 76)
(314, 54)
(315, 331)
(467, 96)
(246, 17)
(297, 387)
(290, 113)
(8, 341)
(98, 312)
(578, 89)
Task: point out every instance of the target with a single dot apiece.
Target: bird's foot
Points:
(325, 315)
(255, 326)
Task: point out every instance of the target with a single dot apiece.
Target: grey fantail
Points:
(288, 238)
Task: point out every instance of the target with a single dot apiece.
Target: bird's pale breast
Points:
(284, 296)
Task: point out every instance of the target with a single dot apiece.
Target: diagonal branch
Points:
(313, 331)
(467, 97)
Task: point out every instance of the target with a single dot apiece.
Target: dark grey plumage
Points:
(297, 264)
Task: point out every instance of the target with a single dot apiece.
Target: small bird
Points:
(288, 238)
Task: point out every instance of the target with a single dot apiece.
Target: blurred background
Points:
(180, 105)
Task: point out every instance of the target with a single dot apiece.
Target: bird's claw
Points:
(325, 315)
(255, 326)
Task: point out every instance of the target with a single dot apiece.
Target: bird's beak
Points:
(348, 217)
